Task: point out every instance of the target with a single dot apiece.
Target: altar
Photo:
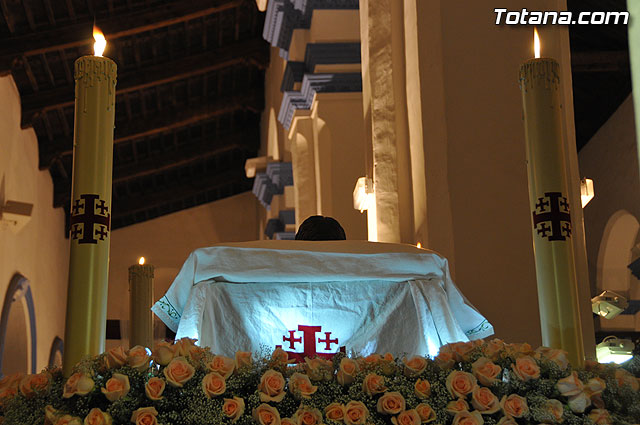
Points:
(316, 298)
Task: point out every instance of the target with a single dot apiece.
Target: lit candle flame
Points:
(536, 42)
(419, 245)
(141, 261)
(101, 42)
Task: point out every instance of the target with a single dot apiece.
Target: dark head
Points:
(320, 228)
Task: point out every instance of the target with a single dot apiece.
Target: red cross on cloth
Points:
(309, 343)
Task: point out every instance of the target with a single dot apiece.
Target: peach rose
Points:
(570, 386)
(213, 384)
(11, 381)
(145, 416)
(334, 412)
(266, 415)
(391, 403)
(507, 420)
(407, 417)
(154, 388)
(178, 372)
(373, 384)
(138, 358)
(493, 348)
(514, 405)
(460, 384)
(414, 366)
(355, 413)
(468, 418)
(600, 417)
(32, 383)
(7, 394)
(318, 369)
(459, 405)
(271, 386)
(184, 347)
(526, 368)
(287, 421)
(222, 365)
(371, 361)
(116, 357)
(555, 409)
(78, 383)
(518, 348)
(388, 364)
(279, 357)
(116, 387)
(486, 371)
(579, 402)
(595, 386)
(50, 414)
(163, 353)
(559, 357)
(68, 420)
(300, 386)
(97, 417)
(445, 358)
(462, 350)
(347, 371)
(307, 416)
(243, 359)
(427, 414)
(485, 401)
(422, 388)
(233, 408)
(624, 378)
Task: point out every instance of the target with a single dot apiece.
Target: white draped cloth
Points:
(319, 296)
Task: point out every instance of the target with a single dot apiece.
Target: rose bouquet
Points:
(470, 383)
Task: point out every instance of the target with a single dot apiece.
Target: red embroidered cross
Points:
(291, 340)
(328, 341)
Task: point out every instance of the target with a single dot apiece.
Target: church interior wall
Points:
(38, 251)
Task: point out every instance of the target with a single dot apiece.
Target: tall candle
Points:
(140, 302)
(90, 215)
(550, 210)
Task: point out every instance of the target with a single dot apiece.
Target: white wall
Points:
(39, 251)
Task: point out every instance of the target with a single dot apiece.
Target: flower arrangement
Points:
(467, 383)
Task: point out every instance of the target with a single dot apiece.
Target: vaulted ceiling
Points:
(189, 94)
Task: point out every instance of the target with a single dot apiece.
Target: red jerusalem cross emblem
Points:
(551, 217)
(308, 341)
(90, 219)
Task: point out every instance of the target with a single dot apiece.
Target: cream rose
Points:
(50, 414)
(595, 386)
(555, 409)
(243, 359)
(460, 384)
(334, 412)
(307, 416)
(624, 378)
(318, 369)
(468, 418)
(145, 416)
(224, 366)
(414, 366)
(68, 420)
(600, 417)
(526, 368)
(266, 415)
(178, 372)
(78, 383)
(115, 357)
(514, 405)
(407, 417)
(271, 386)
(347, 371)
(97, 417)
(233, 408)
(300, 386)
(154, 388)
(34, 383)
(579, 402)
(213, 384)
(355, 413)
(116, 387)
(391, 403)
(570, 386)
(484, 401)
(427, 414)
(559, 357)
(163, 353)
(459, 405)
(138, 358)
(373, 384)
(486, 371)
(422, 388)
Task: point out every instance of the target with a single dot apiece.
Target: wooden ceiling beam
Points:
(114, 27)
(165, 122)
(254, 52)
(600, 61)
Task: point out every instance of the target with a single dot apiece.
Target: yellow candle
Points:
(140, 302)
(90, 216)
(550, 211)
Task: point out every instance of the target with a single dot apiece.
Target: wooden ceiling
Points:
(190, 93)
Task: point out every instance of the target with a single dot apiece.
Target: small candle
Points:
(140, 302)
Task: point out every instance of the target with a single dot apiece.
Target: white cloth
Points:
(372, 297)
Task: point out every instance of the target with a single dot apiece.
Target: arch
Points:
(56, 352)
(20, 291)
(614, 254)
